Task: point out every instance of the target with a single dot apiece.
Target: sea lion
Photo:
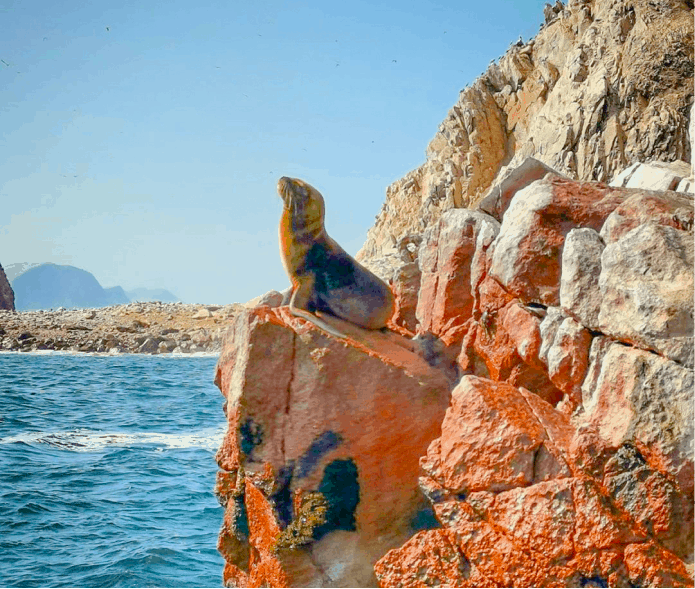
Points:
(325, 278)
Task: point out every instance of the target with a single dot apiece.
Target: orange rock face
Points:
(565, 458)
(320, 463)
(511, 443)
(518, 510)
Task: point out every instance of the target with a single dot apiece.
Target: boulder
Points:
(653, 175)
(580, 295)
(506, 445)
(448, 263)
(150, 345)
(686, 185)
(565, 350)
(405, 283)
(646, 285)
(431, 558)
(529, 498)
(509, 182)
(634, 396)
(527, 254)
(320, 461)
(272, 298)
(663, 208)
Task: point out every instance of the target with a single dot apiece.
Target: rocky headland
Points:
(528, 418)
(6, 292)
(144, 328)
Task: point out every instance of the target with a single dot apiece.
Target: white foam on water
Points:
(90, 441)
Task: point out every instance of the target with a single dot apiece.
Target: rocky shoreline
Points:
(135, 328)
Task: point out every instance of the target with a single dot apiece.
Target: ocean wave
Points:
(91, 441)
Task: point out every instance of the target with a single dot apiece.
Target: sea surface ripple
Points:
(107, 469)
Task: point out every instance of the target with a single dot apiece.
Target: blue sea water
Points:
(107, 471)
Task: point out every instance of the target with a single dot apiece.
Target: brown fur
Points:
(325, 278)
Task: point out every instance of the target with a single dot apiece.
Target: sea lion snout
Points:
(290, 189)
(297, 193)
(283, 184)
(284, 187)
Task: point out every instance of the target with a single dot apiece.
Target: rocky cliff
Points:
(528, 419)
(6, 292)
(551, 381)
(601, 86)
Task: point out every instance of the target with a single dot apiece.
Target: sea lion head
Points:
(303, 202)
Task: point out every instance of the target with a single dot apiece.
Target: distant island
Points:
(50, 286)
(145, 295)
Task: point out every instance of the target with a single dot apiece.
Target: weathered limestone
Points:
(646, 288)
(642, 398)
(565, 456)
(653, 176)
(528, 251)
(527, 499)
(580, 294)
(540, 513)
(663, 208)
(602, 86)
(577, 458)
(509, 182)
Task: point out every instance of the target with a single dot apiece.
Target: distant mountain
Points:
(50, 286)
(116, 295)
(144, 295)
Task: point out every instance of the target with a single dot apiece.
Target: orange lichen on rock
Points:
(343, 419)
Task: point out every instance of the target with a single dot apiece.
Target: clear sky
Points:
(142, 141)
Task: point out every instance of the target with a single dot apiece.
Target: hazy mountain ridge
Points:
(48, 286)
(144, 295)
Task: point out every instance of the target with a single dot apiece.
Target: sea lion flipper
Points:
(298, 305)
(316, 321)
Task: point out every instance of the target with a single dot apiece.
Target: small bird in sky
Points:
(3, 61)
(393, 61)
(108, 28)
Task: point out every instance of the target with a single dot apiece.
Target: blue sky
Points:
(142, 141)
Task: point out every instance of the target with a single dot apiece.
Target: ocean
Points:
(107, 471)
